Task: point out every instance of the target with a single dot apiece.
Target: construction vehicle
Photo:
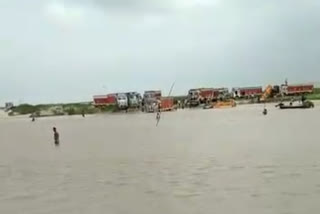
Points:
(286, 90)
(270, 92)
(267, 93)
(230, 103)
(297, 104)
(303, 105)
(225, 104)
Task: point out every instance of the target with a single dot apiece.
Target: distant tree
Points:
(71, 111)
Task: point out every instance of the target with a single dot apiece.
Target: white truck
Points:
(134, 100)
(122, 101)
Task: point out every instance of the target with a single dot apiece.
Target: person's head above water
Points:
(54, 129)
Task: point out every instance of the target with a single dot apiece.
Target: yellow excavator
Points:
(267, 93)
(225, 104)
(228, 103)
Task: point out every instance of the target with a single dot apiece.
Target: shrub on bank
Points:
(25, 109)
(70, 111)
(110, 108)
(313, 96)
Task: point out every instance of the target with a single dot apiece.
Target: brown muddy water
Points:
(194, 162)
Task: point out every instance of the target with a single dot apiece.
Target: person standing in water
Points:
(56, 136)
(158, 113)
(265, 111)
(33, 117)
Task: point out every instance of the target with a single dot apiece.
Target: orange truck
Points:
(167, 104)
(202, 95)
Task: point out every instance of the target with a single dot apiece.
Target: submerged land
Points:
(195, 161)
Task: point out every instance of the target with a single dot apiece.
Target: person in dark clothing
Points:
(265, 111)
(33, 117)
(158, 113)
(159, 106)
(56, 136)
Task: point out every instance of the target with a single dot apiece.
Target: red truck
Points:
(247, 91)
(167, 104)
(105, 100)
(201, 95)
(297, 89)
(210, 93)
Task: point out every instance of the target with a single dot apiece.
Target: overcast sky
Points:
(69, 50)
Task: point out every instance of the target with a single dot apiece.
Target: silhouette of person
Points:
(56, 136)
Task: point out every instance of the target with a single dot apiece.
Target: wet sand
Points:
(196, 161)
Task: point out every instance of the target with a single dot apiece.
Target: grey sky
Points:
(69, 50)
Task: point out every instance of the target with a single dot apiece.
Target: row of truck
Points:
(121, 100)
(150, 102)
(204, 95)
(153, 100)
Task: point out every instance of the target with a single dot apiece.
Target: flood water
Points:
(195, 162)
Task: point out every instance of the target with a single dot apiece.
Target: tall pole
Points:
(158, 117)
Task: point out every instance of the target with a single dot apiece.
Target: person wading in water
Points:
(56, 136)
(158, 113)
(265, 111)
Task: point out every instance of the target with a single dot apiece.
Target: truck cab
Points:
(122, 101)
(151, 100)
(194, 97)
(134, 99)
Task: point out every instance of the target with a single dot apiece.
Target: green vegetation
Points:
(110, 108)
(26, 109)
(79, 108)
(315, 95)
(59, 109)
(316, 91)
